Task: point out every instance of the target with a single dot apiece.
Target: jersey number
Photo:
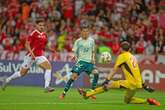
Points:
(86, 49)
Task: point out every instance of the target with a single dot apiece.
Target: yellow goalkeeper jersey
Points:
(130, 67)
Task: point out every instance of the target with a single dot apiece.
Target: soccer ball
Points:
(105, 57)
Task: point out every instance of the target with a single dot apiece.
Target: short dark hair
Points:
(39, 20)
(125, 46)
(84, 24)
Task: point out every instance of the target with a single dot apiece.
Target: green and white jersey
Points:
(84, 48)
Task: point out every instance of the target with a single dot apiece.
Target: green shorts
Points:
(82, 66)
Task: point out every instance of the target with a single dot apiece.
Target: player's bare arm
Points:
(112, 73)
(94, 56)
(74, 50)
(27, 46)
(74, 57)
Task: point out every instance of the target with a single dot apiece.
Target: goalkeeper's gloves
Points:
(148, 88)
(105, 85)
(105, 82)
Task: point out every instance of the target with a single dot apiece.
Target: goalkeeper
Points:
(133, 80)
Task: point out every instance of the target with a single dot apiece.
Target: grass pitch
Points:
(33, 98)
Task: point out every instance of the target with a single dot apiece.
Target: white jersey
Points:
(84, 48)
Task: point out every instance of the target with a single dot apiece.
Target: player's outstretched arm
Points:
(110, 75)
(94, 55)
(27, 46)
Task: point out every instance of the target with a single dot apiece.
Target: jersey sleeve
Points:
(120, 60)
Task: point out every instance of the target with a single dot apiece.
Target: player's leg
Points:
(90, 68)
(68, 85)
(104, 88)
(76, 70)
(131, 90)
(23, 71)
(101, 89)
(45, 64)
(95, 73)
(129, 98)
(15, 75)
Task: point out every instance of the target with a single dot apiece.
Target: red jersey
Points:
(38, 42)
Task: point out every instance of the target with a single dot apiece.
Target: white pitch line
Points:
(60, 103)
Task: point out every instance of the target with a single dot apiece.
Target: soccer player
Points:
(35, 45)
(133, 80)
(84, 50)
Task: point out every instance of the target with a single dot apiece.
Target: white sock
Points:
(13, 76)
(47, 78)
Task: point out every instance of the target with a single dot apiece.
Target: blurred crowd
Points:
(140, 22)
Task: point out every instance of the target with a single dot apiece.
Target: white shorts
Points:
(27, 63)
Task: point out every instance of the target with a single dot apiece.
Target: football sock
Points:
(47, 78)
(95, 80)
(136, 100)
(13, 76)
(95, 91)
(67, 86)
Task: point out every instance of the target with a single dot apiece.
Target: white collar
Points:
(38, 31)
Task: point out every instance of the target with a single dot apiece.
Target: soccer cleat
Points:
(62, 96)
(153, 102)
(4, 83)
(105, 82)
(93, 97)
(49, 89)
(83, 93)
(148, 88)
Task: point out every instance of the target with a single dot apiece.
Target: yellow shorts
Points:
(125, 84)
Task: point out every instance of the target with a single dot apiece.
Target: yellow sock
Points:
(95, 91)
(136, 100)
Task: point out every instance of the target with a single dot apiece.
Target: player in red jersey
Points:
(35, 45)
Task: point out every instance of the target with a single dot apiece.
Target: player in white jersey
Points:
(84, 49)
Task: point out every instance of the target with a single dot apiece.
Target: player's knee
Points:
(74, 76)
(96, 76)
(48, 66)
(127, 100)
(95, 72)
(23, 72)
(45, 65)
